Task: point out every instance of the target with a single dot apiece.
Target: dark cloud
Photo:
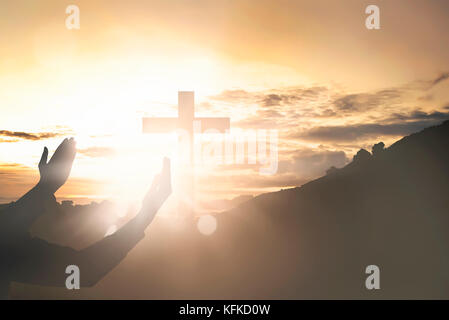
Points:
(420, 115)
(426, 85)
(293, 96)
(273, 97)
(284, 106)
(426, 98)
(97, 152)
(280, 108)
(29, 136)
(272, 100)
(362, 131)
(442, 77)
(312, 163)
(366, 101)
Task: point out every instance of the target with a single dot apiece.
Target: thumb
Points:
(44, 157)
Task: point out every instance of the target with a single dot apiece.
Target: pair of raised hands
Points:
(54, 173)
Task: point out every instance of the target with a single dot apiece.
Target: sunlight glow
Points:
(207, 225)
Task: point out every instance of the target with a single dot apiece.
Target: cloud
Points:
(367, 101)
(283, 108)
(272, 100)
(263, 120)
(359, 132)
(302, 166)
(287, 96)
(295, 168)
(428, 84)
(328, 101)
(293, 96)
(420, 115)
(236, 96)
(253, 181)
(16, 179)
(12, 167)
(442, 77)
(278, 108)
(426, 98)
(8, 140)
(29, 136)
(97, 152)
(309, 163)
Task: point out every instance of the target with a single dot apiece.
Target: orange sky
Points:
(309, 69)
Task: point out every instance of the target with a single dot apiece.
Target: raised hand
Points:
(55, 173)
(159, 191)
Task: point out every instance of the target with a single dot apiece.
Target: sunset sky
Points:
(309, 69)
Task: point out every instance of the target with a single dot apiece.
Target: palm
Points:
(160, 189)
(56, 172)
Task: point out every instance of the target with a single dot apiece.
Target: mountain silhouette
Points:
(389, 209)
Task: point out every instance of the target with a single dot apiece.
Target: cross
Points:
(186, 119)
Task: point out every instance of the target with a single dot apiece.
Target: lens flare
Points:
(207, 225)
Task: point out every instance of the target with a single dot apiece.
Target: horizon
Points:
(204, 208)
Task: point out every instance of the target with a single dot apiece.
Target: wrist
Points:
(43, 188)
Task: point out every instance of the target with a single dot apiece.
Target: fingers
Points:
(155, 184)
(166, 168)
(153, 189)
(72, 149)
(161, 186)
(44, 157)
(166, 164)
(166, 175)
(65, 152)
(59, 151)
(162, 179)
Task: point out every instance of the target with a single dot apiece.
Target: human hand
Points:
(159, 191)
(56, 172)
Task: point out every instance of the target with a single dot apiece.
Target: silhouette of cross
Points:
(185, 121)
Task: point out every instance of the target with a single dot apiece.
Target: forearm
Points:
(33, 204)
(44, 263)
(99, 259)
(103, 256)
(143, 219)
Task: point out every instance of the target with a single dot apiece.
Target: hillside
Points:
(391, 210)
